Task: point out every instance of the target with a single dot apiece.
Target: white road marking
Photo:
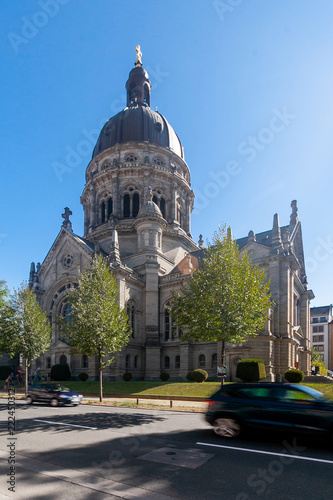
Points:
(61, 423)
(249, 450)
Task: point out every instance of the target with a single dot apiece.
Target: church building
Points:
(137, 204)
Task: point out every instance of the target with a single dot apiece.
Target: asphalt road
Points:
(92, 452)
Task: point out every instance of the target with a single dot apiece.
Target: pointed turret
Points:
(294, 214)
(276, 233)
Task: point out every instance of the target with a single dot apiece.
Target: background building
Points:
(321, 333)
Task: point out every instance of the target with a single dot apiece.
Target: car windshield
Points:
(312, 392)
(58, 387)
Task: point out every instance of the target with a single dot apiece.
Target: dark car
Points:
(270, 406)
(54, 394)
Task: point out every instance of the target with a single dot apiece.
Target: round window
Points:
(67, 260)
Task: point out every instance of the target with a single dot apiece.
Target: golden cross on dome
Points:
(138, 56)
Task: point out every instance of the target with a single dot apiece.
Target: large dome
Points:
(138, 124)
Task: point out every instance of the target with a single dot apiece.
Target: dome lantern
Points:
(138, 86)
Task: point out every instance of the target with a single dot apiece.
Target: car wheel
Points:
(227, 427)
(54, 402)
(29, 400)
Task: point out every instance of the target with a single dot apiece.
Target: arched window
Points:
(166, 362)
(179, 214)
(48, 363)
(177, 362)
(67, 312)
(63, 360)
(110, 207)
(103, 212)
(136, 204)
(128, 361)
(166, 324)
(136, 363)
(159, 199)
(130, 309)
(214, 360)
(162, 207)
(127, 205)
(171, 331)
(84, 361)
(202, 361)
(131, 202)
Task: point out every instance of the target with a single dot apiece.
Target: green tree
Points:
(316, 356)
(96, 325)
(24, 328)
(226, 299)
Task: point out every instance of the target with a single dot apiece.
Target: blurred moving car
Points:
(54, 394)
(270, 406)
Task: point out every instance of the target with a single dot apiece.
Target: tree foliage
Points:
(24, 326)
(226, 299)
(96, 325)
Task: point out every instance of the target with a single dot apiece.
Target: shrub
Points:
(294, 375)
(60, 372)
(189, 377)
(251, 370)
(199, 375)
(127, 376)
(320, 368)
(164, 376)
(83, 376)
(5, 371)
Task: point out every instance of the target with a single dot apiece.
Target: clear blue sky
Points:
(247, 85)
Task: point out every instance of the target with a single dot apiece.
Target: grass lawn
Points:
(189, 389)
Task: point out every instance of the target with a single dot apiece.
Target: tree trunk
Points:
(222, 361)
(100, 377)
(26, 376)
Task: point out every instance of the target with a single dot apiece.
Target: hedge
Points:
(251, 370)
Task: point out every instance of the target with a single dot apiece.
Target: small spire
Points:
(229, 233)
(138, 56)
(200, 242)
(276, 232)
(149, 195)
(294, 214)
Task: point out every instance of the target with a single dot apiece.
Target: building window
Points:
(321, 328)
(318, 338)
(166, 362)
(131, 158)
(130, 309)
(110, 207)
(48, 363)
(323, 319)
(202, 361)
(159, 199)
(128, 361)
(63, 360)
(314, 329)
(84, 361)
(319, 348)
(103, 212)
(131, 203)
(214, 360)
(171, 331)
(67, 312)
(177, 362)
(315, 320)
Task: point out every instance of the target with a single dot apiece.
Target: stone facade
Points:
(137, 207)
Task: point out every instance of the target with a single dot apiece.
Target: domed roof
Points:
(149, 208)
(137, 122)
